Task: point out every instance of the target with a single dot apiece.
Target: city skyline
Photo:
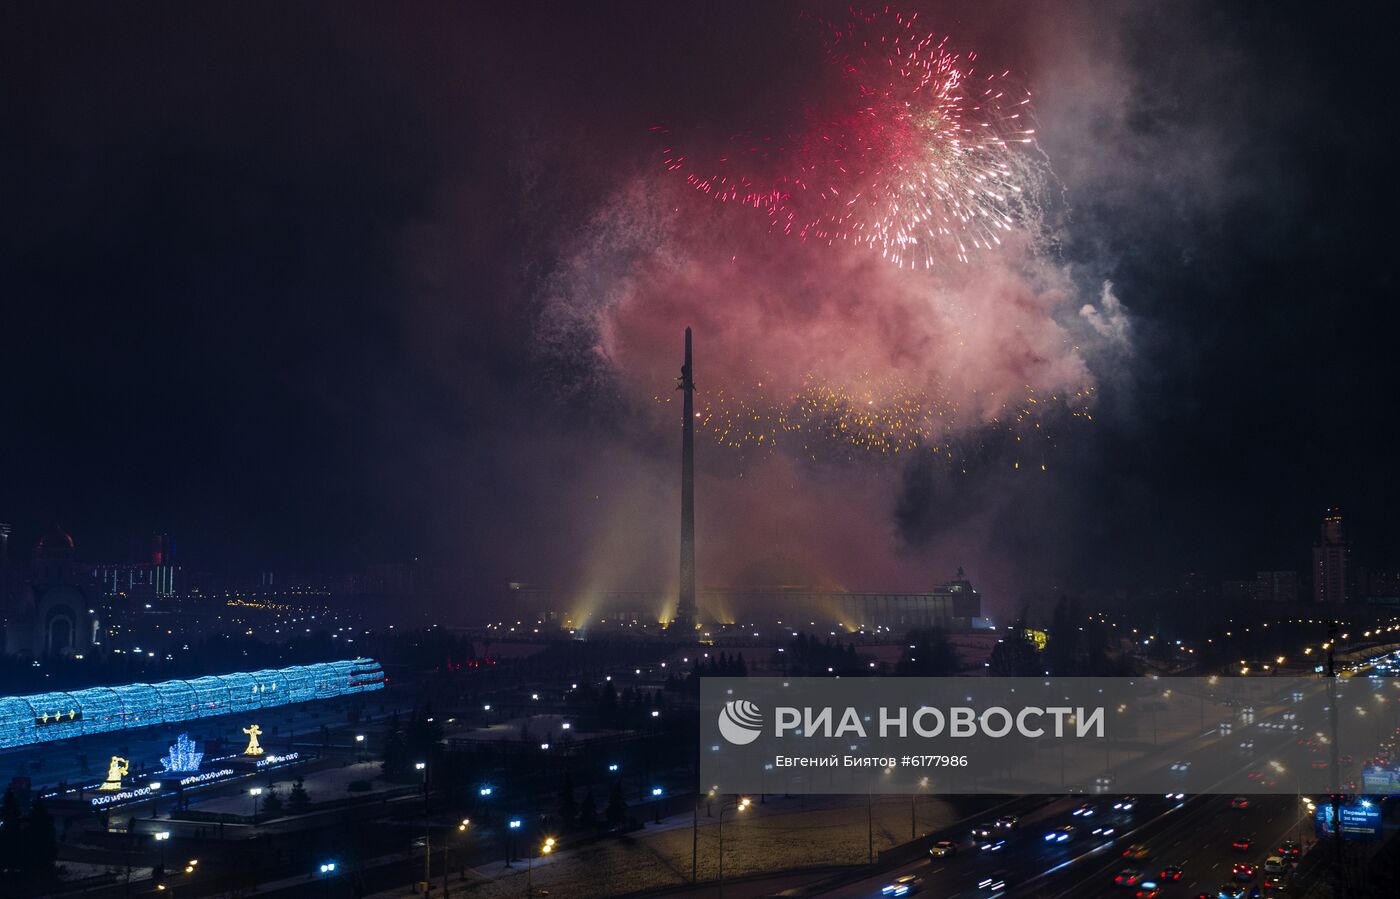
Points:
(367, 375)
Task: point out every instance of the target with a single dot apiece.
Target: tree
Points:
(1015, 655)
(40, 843)
(11, 837)
(928, 654)
(568, 809)
(1066, 638)
(395, 750)
(271, 804)
(588, 811)
(616, 812)
(298, 801)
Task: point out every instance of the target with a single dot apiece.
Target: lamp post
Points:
(155, 798)
(161, 836)
(512, 826)
(545, 849)
(741, 804)
(461, 828)
(255, 792)
(327, 871)
(485, 793)
(656, 793)
(359, 747)
(427, 847)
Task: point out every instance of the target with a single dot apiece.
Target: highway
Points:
(1195, 834)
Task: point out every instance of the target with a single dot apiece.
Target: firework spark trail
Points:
(886, 418)
(924, 162)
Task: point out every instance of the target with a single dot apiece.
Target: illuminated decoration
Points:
(116, 770)
(1039, 638)
(184, 757)
(269, 761)
(207, 776)
(253, 733)
(46, 717)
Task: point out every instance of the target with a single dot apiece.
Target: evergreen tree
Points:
(395, 750)
(298, 801)
(271, 804)
(568, 809)
(616, 812)
(40, 843)
(927, 654)
(11, 838)
(588, 811)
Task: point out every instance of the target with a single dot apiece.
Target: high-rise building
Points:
(1276, 586)
(1330, 556)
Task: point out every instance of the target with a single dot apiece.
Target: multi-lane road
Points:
(1195, 834)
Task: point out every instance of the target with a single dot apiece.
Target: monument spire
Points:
(684, 622)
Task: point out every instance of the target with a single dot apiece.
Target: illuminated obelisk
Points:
(684, 623)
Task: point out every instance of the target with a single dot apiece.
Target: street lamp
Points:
(423, 767)
(255, 792)
(155, 798)
(656, 793)
(741, 804)
(545, 849)
(461, 828)
(359, 747)
(161, 836)
(514, 824)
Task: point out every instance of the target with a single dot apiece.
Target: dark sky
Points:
(285, 282)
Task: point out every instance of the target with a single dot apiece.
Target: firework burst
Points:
(922, 160)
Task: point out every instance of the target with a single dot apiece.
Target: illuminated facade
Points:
(43, 718)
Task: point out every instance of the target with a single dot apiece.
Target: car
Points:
(994, 885)
(1084, 811)
(1255, 775)
(1128, 877)
(1275, 864)
(1148, 890)
(1230, 891)
(1290, 849)
(907, 885)
(1170, 874)
(1274, 883)
(1243, 871)
(995, 845)
(942, 849)
(1239, 802)
(1103, 831)
(1319, 764)
(1180, 767)
(1177, 796)
(1246, 745)
(1136, 851)
(1008, 822)
(1241, 844)
(1125, 804)
(1060, 834)
(982, 831)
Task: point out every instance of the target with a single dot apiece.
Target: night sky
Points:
(310, 286)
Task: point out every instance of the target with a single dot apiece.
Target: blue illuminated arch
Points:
(101, 708)
(44, 717)
(210, 696)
